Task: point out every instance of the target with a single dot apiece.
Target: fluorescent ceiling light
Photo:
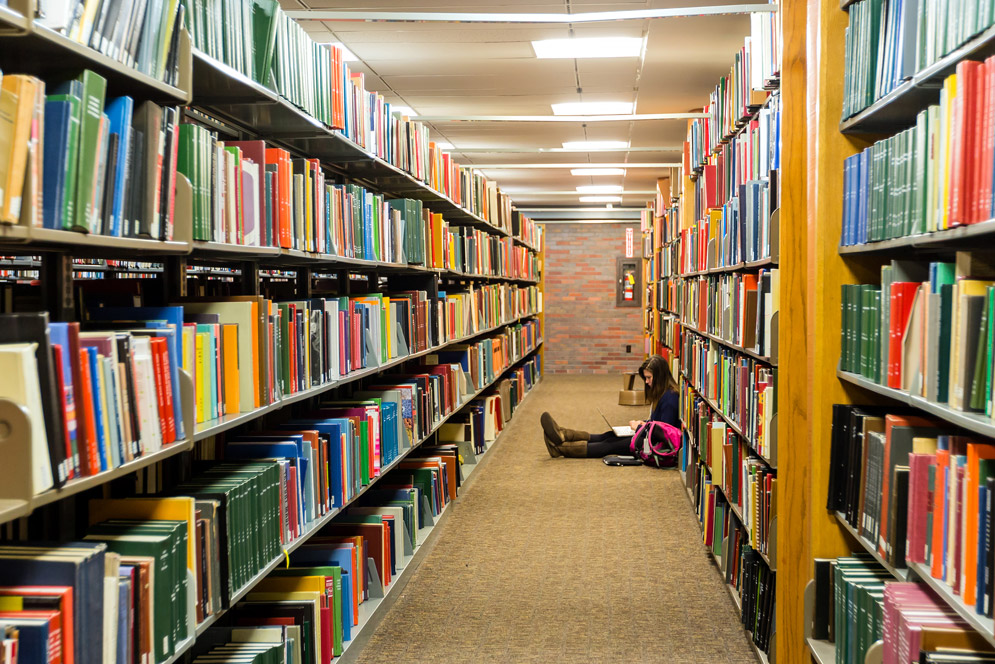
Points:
(597, 171)
(593, 108)
(443, 145)
(600, 189)
(589, 47)
(595, 145)
(600, 199)
(347, 55)
(403, 110)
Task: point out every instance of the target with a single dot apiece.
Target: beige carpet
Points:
(564, 560)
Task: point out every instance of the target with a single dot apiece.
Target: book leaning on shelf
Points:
(77, 161)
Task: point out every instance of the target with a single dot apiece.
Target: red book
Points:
(902, 297)
(86, 437)
(920, 506)
(962, 145)
(47, 598)
(60, 382)
(988, 143)
(160, 350)
(159, 396)
(282, 232)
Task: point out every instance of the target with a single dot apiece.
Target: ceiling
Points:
(490, 69)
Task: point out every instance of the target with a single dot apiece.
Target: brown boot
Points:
(574, 449)
(551, 448)
(557, 434)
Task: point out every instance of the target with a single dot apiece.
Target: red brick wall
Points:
(584, 331)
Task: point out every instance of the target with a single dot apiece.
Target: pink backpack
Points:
(657, 444)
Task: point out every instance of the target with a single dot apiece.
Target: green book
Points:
(90, 88)
(159, 547)
(943, 360)
(178, 534)
(72, 156)
(989, 341)
(980, 378)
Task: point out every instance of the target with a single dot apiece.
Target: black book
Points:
(898, 527)
(823, 593)
(136, 190)
(110, 168)
(33, 328)
(130, 393)
(167, 184)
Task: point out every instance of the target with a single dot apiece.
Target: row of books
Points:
(737, 96)
(747, 482)
(275, 51)
(76, 161)
(666, 329)
(857, 603)
(741, 388)
(743, 568)
(526, 230)
(733, 232)
(740, 308)
(142, 35)
(100, 397)
(96, 400)
(888, 42)
(149, 569)
(900, 186)
(918, 492)
(927, 330)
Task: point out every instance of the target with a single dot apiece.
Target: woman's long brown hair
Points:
(663, 379)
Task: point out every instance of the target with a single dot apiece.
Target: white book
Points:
(19, 366)
(145, 394)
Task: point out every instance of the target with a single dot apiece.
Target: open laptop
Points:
(622, 431)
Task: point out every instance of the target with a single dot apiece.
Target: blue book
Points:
(59, 334)
(58, 121)
(389, 443)
(211, 353)
(98, 408)
(368, 247)
(125, 588)
(332, 429)
(119, 113)
(983, 556)
(32, 639)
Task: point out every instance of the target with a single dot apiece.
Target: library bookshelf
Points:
(216, 96)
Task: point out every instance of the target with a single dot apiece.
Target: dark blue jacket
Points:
(666, 409)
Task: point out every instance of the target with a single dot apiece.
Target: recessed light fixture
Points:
(593, 108)
(403, 110)
(600, 189)
(589, 47)
(347, 55)
(600, 199)
(597, 171)
(595, 145)
(443, 145)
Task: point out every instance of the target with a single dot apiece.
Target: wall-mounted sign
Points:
(628, 242)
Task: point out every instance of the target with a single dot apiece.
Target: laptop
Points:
(624, 431)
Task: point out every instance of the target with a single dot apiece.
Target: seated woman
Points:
(661, 391)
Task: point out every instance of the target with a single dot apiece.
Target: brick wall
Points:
(585, 332)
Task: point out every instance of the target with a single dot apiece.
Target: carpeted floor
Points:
(564, 560)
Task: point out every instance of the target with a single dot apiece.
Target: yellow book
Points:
(17, 105)
(949, 92)
(199, 387)
(229, 346)
(179, 508)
